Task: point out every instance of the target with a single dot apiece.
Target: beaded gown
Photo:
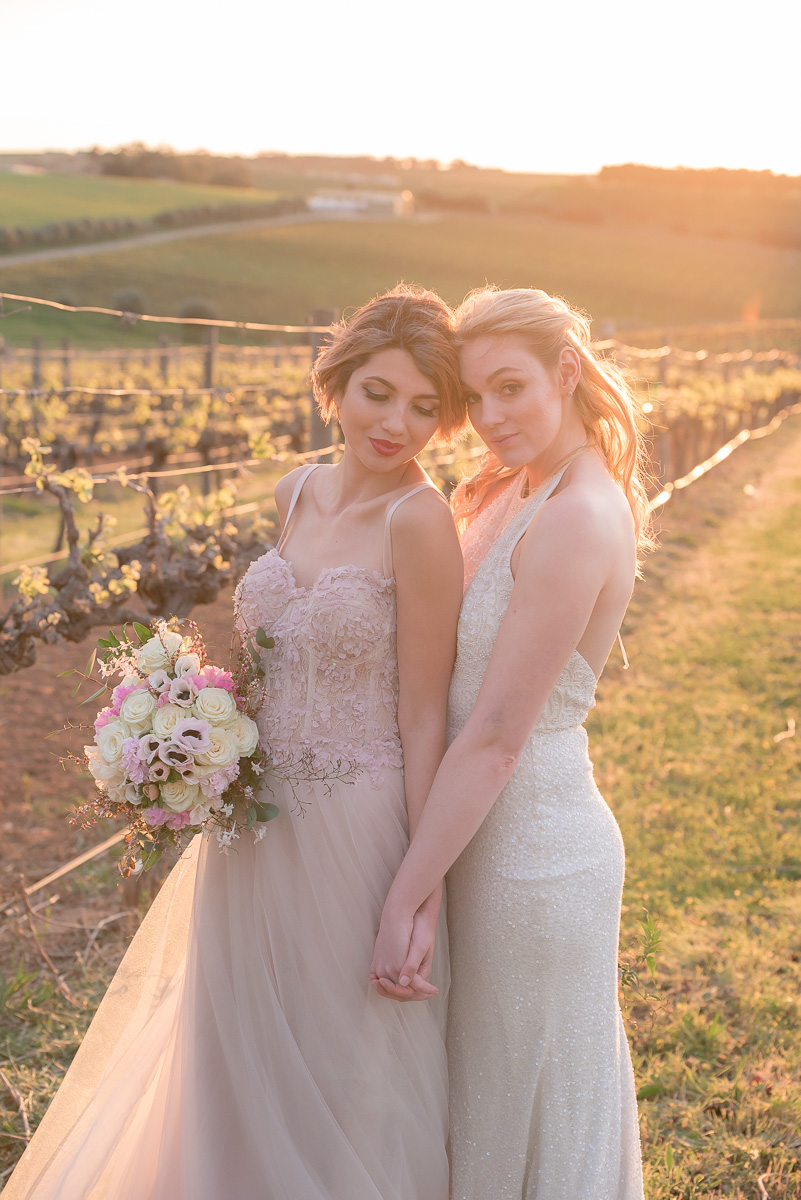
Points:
(240, 1051)
(542, 1096)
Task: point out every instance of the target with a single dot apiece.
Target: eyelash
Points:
(425, 412)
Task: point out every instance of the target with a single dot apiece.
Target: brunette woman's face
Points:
(388, 411)
(516, 404)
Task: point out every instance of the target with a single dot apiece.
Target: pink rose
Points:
(155, 816)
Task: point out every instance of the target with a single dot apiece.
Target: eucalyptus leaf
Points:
(263, 640)
(266, 812)
(150, 859)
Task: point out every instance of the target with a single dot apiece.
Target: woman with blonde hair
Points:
(543, 1102)
(240, 1051)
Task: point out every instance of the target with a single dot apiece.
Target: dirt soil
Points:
(37, 792)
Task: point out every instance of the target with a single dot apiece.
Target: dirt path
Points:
(165, 235)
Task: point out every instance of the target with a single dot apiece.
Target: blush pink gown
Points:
(239, 1051)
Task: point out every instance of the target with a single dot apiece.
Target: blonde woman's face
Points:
(515, 403)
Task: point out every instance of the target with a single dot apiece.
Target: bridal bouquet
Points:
(176, 752)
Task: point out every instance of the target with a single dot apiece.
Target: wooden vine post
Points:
(210, 377)
(319, 434)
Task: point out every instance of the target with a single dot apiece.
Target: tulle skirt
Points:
(240, 1051)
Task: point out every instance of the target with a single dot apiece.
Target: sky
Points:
(528, 86)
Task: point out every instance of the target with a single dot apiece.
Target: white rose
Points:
(216, 706)
(131, 794)
(137, 710)
(103, 773)
(110, 738)
(187, 662)
(179, 795)
(158, 652)
(221, 753)
(246, 735)
(166, 719)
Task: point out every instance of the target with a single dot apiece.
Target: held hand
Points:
(404, 951)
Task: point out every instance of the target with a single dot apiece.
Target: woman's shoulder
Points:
(284, 489)
(422, 510)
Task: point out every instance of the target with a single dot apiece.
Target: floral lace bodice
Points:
(332, 676)
(483, 609)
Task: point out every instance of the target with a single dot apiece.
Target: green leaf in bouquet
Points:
(113, 640)
(150, 858)
(94, 695)
(263, 640)
(251, 821)
(104, 643)
(265, 812)
(91, 663)
(61, 674)
(142, 632)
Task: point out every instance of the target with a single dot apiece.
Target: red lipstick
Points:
(387, 449)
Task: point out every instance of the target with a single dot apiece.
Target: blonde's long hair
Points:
(603, 397)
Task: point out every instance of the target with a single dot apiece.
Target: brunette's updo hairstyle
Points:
(405, 318)
(603, 397)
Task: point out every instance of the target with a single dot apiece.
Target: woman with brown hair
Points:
(542, 1092)
(240, 1051)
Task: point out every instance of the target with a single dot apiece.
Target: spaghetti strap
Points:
(387, 550)
(302, 477)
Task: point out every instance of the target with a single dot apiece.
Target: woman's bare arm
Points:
(428, 572)
(564, 562)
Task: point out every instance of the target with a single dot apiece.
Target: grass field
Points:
(29, 201)
(638, 277)
(710, 808)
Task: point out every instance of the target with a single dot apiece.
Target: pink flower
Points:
(192, 734)
(216, 677)
(214, 785)
(155, 816)
(177, 820)
(163, 699)
(132, 761)
(198, 681)
(124, 689)
(104, 716)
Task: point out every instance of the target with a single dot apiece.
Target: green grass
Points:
(639, 277)
(710, 808)
(29, 201)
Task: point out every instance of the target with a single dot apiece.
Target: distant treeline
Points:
(92, 229)
(139, 162)
(700, 179)
(754, 206)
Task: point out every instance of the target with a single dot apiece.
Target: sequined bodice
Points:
(483, 609)
(332, 676)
